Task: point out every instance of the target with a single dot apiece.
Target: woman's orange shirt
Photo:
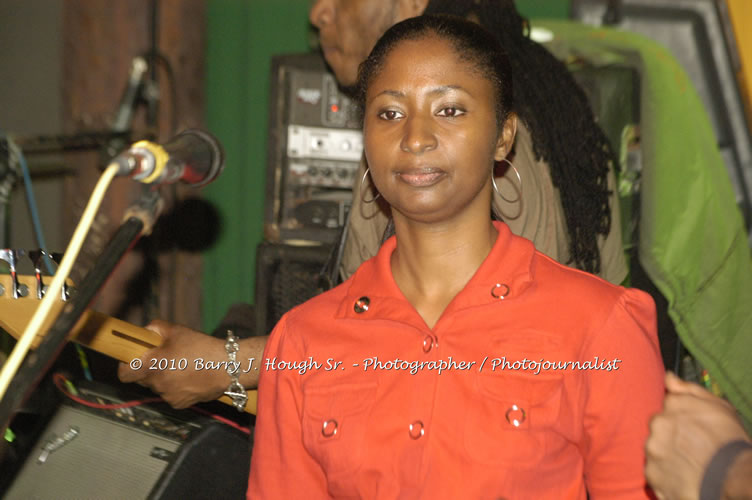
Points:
(538, 381)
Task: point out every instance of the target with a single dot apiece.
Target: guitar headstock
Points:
(20, 293)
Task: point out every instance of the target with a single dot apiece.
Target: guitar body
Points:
(107, 335)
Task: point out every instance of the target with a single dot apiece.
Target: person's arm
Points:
(684, 437)
(620, 402)
(281, 467)
(204, 358)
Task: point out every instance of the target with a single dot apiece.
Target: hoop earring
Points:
(516, 188)
(519, 179)
(362, 198)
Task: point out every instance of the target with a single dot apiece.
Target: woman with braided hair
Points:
(558, 187)
(459, 362)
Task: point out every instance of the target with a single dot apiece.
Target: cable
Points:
(60, 381)
(19, 352)
(224, 420)
(161, 59)
(32, 203)
(39, 233)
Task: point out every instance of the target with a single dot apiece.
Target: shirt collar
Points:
(373, 294)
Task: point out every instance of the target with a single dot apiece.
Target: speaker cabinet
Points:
(286, 275)
(133, 453)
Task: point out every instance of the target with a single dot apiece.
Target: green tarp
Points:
(692, 241)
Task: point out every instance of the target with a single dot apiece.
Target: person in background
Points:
(697, 447)
(563, 200)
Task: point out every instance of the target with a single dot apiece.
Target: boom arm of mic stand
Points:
(8, 176)
(139, 220)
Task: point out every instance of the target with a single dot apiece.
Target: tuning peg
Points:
(11, 257)
(37, 258)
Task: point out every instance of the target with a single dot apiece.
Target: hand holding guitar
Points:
(175, 371)
(190, 367)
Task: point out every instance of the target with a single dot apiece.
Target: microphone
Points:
(193, 156)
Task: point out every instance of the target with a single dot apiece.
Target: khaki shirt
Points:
(538, 217)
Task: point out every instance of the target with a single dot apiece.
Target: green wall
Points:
(549, 9)
(242, 36)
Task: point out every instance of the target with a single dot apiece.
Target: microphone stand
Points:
(138, 221)
(8, 176)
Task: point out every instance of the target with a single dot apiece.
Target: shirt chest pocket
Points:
(518, 404)
(513, 419)
(335, 420)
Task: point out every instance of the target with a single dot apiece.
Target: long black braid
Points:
(558, 115)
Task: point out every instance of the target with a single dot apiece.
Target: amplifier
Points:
(133, 453)
(315, 145)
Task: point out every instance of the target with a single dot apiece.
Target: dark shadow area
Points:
(667, 336)
(192, 225)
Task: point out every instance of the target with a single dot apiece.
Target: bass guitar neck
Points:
(110, 336)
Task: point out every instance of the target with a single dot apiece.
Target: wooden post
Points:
(100, 40)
